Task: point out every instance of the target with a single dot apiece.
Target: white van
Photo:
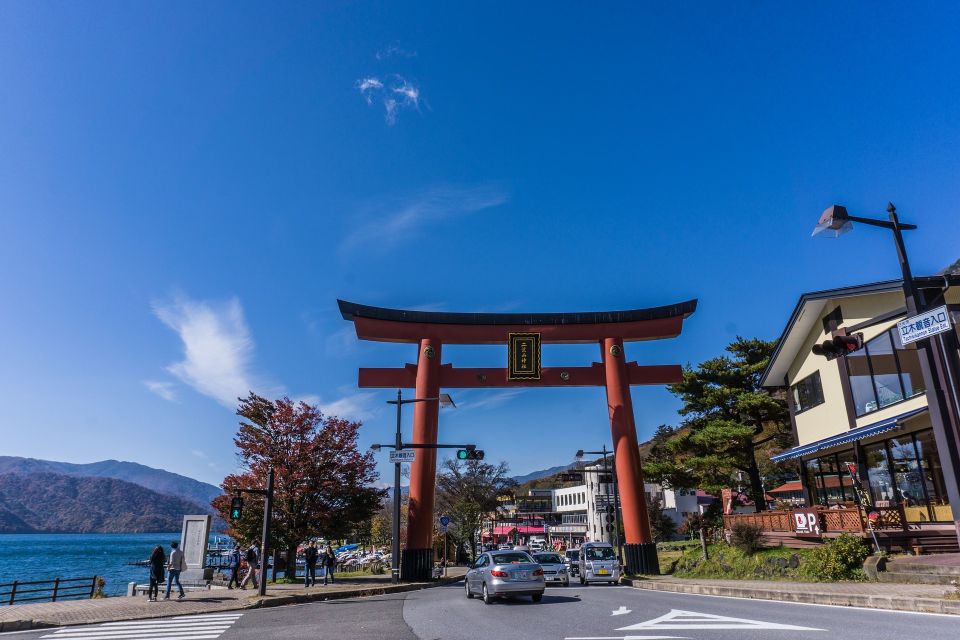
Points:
(598, 562)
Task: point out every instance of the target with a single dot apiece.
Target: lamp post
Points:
(445, 401)
(937, 362)
(616, 494)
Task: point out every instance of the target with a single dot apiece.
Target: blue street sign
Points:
(445, 521)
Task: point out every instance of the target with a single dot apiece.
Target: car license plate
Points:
(523, 575)
(603, 572)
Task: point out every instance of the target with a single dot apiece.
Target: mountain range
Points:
(110, 496)
(54, 503)
(154, 479)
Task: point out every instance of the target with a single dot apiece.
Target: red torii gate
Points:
(609, 329)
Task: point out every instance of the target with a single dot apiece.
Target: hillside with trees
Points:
(55, 503)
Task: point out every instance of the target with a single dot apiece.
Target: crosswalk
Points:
(199, 627)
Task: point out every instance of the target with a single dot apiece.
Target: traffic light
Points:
(469, 454)
(236, 508)
(838, 346)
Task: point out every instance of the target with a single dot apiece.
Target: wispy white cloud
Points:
(218, 348)
(163, 389)
(198, 453)
(358, 406)
(491, 400)
(394, 49)
(393, 91)
(389, 222)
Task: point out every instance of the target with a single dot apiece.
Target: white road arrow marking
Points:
(621, 611)
(629, 638)
(678, 619)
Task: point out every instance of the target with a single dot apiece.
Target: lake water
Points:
(45, 556)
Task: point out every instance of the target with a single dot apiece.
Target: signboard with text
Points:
(403, 456)
(523, 356)
(923, 325)
(806, 522)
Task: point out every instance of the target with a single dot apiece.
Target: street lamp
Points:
(445, 401)
(937, 362)
(616, 492)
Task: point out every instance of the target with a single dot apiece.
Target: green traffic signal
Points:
(236, 508)
(462, 454)
(469, 454)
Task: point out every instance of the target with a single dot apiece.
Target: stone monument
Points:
(193, 541)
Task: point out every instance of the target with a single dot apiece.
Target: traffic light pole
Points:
(267, 517)
(399, 445)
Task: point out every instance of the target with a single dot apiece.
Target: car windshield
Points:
(573, 554)
(548, 558)
(599, 553)
(511, 558)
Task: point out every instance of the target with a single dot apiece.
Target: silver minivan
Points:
(598, 562)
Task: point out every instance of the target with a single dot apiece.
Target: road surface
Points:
(575, 613)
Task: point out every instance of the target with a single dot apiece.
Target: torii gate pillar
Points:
(417, 558)
(640, 549)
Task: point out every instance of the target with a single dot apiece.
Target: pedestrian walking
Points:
(235, 556)
(252, 557)
(310, 556)
(157, 561)
(329, 565)
(176, 564)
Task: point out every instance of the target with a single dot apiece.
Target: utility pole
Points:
(395, 549)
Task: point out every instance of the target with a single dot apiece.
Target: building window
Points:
(807, 393)
(882, 374)
(829, 480)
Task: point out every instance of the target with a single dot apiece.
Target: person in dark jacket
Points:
(329, 564)
(253, 557)
(310, 556)
(234, 566)
(157, 562)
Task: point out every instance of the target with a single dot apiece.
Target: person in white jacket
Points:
(176, 564)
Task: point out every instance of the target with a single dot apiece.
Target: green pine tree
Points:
(731, 425)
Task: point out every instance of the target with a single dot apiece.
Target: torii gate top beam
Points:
(397, 325)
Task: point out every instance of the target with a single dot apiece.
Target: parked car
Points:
(598, 563)
(554, 567)
(572, 560)
(498, 574)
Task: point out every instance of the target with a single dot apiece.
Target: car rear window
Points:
(511, 558)
(548, 558)
(600, 553)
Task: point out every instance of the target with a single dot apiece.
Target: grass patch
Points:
(777, 563)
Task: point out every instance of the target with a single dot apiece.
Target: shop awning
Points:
(850, 436)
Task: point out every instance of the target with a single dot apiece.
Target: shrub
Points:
(838, 559)
(746, 537)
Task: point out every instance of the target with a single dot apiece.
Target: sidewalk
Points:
(71, 612)
(874, 595)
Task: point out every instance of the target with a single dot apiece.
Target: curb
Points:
(255, 602)
(919, 605)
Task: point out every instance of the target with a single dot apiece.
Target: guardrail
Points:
(52, 590)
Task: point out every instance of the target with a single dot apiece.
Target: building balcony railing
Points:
(843, 520)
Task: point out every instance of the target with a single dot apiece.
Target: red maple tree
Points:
(322, 483)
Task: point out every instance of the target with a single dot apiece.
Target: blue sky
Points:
(186, 188)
